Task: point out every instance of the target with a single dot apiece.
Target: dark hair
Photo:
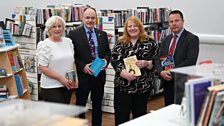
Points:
(88, 7)
(177, 12)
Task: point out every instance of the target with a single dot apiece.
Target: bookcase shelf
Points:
(14, 85)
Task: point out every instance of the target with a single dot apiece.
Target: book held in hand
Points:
(167, 62)
(130, 65)
(97, 65)
(71, 75)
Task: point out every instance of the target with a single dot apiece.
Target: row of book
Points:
(159, 35)
(145, 14)
(204, 102)
(6, 38)
(69, 12)
(15, 61)
(3, 92)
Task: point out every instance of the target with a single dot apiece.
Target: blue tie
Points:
(91, 45)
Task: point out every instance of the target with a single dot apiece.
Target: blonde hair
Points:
(125, 38)
(51, 21)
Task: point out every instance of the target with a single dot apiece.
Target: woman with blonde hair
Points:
(55, 58)
(131, 92)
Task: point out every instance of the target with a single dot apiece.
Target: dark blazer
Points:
(186, 52)
(83, 53)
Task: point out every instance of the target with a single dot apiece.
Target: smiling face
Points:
(57, 29)
(132, 30)
(176, 23)
(89, 18)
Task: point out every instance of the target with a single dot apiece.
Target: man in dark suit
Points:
(184, 53)
(85, 53)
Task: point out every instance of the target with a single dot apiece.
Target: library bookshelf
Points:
(15, 79)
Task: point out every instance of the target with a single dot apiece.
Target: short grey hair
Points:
(51, 22)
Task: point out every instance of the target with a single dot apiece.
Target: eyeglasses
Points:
(92, 18)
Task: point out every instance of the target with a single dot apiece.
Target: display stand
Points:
(15, 79)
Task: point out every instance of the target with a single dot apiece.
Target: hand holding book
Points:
(144, 64)
(97, 65)
(131, 65)
(130, 76)
(72, 79)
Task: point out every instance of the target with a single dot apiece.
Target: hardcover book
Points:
(197, 93)
(97, 65)
(130, 65)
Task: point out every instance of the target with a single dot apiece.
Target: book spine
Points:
(10, 55)
(18, 85)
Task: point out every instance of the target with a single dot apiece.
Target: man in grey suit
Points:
(85, 54)
(184, 53)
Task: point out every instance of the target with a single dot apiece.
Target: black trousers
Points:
(96, 87)
(168, 87)
(125, 104)
(57, 95)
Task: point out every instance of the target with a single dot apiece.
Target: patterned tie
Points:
(91, 45)
(171, 51)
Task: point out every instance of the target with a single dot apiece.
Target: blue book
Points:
(97, 65)
(18, 85)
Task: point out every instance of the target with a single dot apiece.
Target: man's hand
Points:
(166, 75)
(87, 69)
(105, 66)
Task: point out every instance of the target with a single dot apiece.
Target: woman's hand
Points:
(87, 69)
(66, 82)
(129, 76)
(166, 75)
(144, 64)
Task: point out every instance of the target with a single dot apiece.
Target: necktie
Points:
(171, 51)
(91, 45)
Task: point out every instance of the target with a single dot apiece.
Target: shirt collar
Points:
(86, 29)
(178, 34)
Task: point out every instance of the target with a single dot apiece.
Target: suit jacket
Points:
(186, 52)
(83, 53)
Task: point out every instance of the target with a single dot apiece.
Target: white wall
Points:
(201, 16)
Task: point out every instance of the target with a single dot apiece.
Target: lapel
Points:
(98, 36)
(84, 37)
(168, 43)
(180, 42)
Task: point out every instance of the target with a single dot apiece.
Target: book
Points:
(214, 90)
(197, 90)
(97, 65)
(203, 109)
(29, 64)
(217, 109)
(71, 75)
(12, 62)
(130, 65)
(18, 85)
